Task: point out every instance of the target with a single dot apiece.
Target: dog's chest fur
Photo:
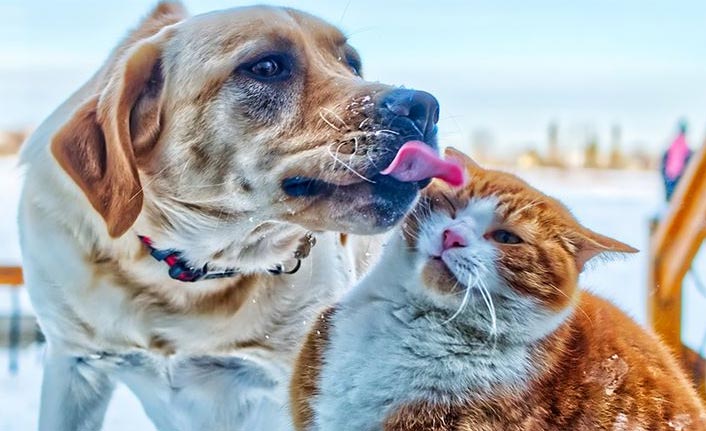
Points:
(183, 393)
(227, 369)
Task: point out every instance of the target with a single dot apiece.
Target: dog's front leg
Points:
(75, 395)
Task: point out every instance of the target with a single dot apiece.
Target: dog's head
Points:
(256, 114)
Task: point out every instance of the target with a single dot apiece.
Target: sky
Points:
(500, 69)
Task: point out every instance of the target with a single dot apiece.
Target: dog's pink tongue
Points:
(416, 161)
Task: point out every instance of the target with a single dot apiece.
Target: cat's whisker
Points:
(416, 217)
(578, 306)
(532, 204)
(488, 299)
(411, 234)
(461, 306)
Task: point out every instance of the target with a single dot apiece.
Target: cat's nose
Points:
(453, 239)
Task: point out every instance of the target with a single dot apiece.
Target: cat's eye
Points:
(503, 236)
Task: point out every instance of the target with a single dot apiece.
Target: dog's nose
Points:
(419, 106)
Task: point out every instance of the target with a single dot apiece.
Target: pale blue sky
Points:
(509, 66)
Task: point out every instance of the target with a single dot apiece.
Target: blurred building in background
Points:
(11, 141)
(590, 154)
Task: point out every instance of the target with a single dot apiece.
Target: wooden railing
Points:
(674, 246)
(11, 276)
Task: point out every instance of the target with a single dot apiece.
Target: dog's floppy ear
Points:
(98, 147)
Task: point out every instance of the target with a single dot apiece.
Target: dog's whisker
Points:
(350, 168)
(371, 160)
(205, 186)
(355, 147)
(388, 131)
(148, 183)
(321, 114)
(181, 201)
(342, 124)
(336, 116)
(338, 150)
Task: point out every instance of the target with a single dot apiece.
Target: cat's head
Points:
(499, 236)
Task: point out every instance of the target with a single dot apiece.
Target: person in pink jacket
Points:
(675, 161)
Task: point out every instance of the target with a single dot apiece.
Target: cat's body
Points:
(404, 351)
(379, 384)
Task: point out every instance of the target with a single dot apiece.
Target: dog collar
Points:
(180, 269)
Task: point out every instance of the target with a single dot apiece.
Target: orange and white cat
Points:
(473, 320)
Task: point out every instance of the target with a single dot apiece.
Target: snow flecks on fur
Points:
(621, 422)
(680, 422)
(610, 373)
(624, 423)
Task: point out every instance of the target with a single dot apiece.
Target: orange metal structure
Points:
(674, 246)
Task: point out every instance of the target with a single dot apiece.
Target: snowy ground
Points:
(617, 204)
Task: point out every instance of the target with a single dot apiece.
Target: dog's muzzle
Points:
(409, 115)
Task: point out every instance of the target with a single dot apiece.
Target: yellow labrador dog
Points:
(184, 213)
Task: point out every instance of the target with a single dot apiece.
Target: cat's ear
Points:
(452, 153)
(469, 165)
(591, 244)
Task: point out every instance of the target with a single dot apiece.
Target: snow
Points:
(609, 374)
(19, 398)
(615, 203)
(680, 422)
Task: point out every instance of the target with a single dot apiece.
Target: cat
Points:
(472, 320)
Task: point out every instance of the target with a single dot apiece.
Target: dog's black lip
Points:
(303, 186)
(300, 186)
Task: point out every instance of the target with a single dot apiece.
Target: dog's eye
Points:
(273, 67)
(352, 59)
(354, 64)
(266, 68)
(503, 236)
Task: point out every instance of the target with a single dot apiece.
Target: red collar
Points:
(180, 269)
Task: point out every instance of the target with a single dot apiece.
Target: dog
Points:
(187, 212)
